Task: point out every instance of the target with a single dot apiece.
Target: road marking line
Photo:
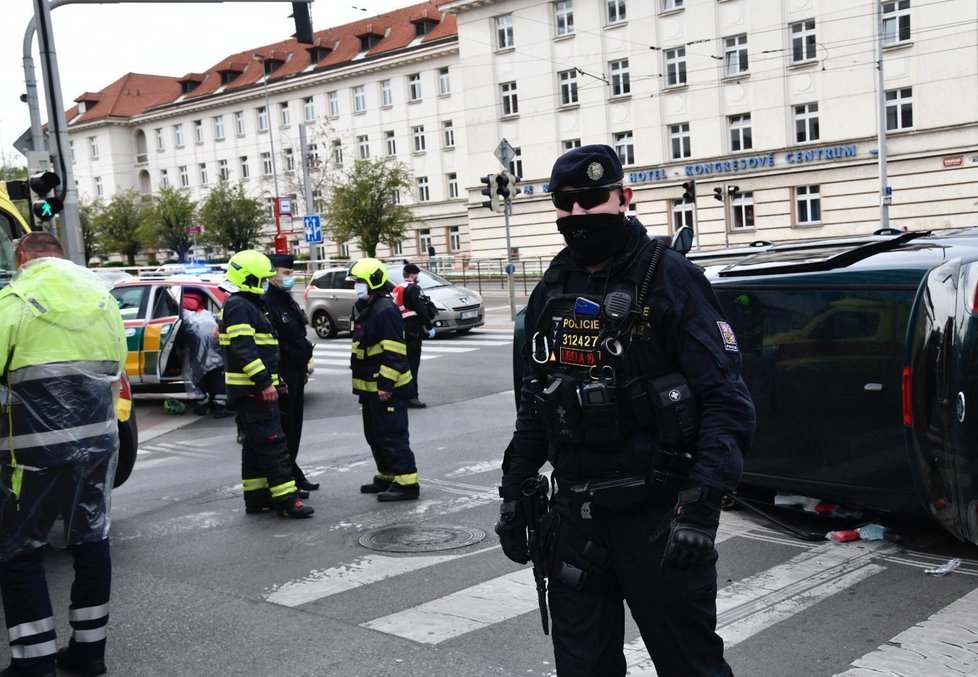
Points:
(943, 644)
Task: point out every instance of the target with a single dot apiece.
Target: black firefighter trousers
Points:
(266, 470)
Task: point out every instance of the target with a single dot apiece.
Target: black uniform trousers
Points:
(675, 610)
(45, 495)
(385, 427)
(291, 406)
(412, 340)
(266, 471)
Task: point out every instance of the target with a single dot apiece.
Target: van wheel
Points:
(323, 324)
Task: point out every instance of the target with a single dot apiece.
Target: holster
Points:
(666, 405)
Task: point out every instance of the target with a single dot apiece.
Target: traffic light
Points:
(732, 191)
(45, 206)
(303, 23)
(502, 186)
(689, 191)
(490, 192)
(718, 193)
(17, 190)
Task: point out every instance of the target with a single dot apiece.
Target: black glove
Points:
(511, 529)
(694, 530)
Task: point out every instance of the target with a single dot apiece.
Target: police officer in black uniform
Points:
(295, 356)
(413, 305)
(632, 391)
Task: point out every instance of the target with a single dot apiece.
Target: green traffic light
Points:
(46, 210)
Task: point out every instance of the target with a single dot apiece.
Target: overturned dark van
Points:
(862, 359)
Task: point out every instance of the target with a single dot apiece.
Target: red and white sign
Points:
(955, 161)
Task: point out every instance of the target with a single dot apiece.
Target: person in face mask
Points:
(383, 382)
(632, 391)
(295, 356)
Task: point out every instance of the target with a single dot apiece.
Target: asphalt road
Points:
(200, 588)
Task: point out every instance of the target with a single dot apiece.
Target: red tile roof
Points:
(128, 96)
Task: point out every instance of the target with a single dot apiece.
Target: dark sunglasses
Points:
(588, 198)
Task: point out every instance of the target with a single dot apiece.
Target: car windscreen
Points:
(426, 279)
(131, 300)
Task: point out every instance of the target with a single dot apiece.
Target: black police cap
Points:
(411, 269)
(594, 165)
(282, 260)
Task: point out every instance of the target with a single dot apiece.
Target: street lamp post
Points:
(281, 241)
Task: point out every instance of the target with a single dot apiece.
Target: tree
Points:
(167, 220)
(89, 213)
(120, 225)
(230, 218)
(365, 207)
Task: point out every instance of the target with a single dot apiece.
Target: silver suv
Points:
(330, 299)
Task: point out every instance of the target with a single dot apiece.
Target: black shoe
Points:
(416, 404)
(220, 411)
(201, 409)
(400, 492)
(378, 485)
(307, 485)
(301, 493)
(11, 671)
(295, 510)
(257, 509)
(71, 663)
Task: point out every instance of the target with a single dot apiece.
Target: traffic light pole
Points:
(510, 269)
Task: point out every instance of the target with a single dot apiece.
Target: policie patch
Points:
(577, 340)
(728, 336)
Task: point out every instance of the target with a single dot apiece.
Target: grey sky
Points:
(97, 44)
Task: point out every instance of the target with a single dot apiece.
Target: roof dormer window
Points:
(317, 53)
(369, 38)
(423, 26)
(229, 72)
(87, 101)
(190, 82)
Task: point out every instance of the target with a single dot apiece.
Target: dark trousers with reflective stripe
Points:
(291, 407)
(385, 426)
(675, 611)
(264, 453)
(27, 607)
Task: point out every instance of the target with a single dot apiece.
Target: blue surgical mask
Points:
(362, 291)
(264, 286)
(287, 283)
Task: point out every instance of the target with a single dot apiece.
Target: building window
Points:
(243, 165)
(452, 186)
(808, 205)
(184, 176)
(417, 132)
(266, 164)
(570, 144)
(803, 41)
(423, 194)
(160, 139)
(740, 132)
(93, 147)
(448, 133)
(391, 142)
(568, 87)
(682, 214)
(616, 11)
(424, 239)
(620, 82)
(669, 5)
(337, 152)
(444, 82)
(178, 136)
(806, 123)
(511, 104)
(219, 128)
(359, 99)
(202, 169)
(309, 109)
(284, 115)
(896, 22)
(397, 248)
(735, 55)
(198, 132)
(363, 147)
(222, 170)
(71, 150)
(345, 250)
(239, 123)
(899, 109)
(679, 141)
(414, 87)
(262, 119)
(564, 17)
(625, 147)
(313, 154)
(289, 159)
(164, 179)
(516, 164)
(99, 188)
(742, 207)
(386, 93)
(504, 31)
(454, 239)
(333, 103)
(676, 67)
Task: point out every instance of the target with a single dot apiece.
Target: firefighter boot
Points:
(400, 492)
(380, 483)
(74, 664)
(295, 509)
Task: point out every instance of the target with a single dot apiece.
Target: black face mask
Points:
(593, 238)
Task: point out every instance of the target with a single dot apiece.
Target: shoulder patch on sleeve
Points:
(727, 336)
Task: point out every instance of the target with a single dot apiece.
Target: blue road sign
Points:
(313, 226)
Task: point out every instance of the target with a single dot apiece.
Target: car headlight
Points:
(441, 306)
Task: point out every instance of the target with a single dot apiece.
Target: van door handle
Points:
(873, 387)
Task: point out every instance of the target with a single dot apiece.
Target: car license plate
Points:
(468, 314)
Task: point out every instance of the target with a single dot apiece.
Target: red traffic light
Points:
(43, 183)
(45, 207)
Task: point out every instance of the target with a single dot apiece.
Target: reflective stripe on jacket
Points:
(250, 346)
(398, 295)
(379, 354)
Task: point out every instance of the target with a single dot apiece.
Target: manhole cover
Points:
(402, 538)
